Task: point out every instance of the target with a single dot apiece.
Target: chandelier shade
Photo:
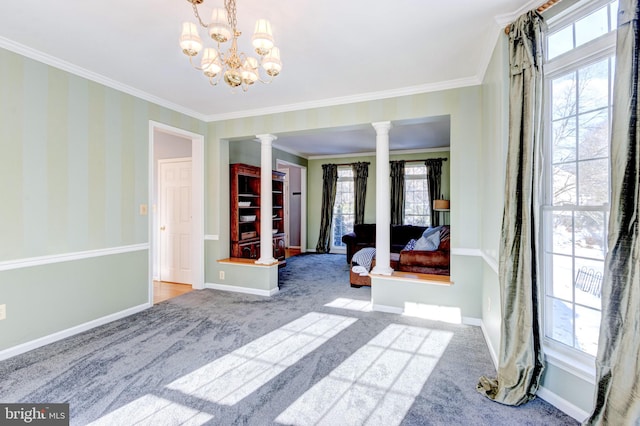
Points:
(231, 66)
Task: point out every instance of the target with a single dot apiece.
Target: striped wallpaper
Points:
(73, 161)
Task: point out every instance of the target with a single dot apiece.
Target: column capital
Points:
(266, 138)
(382, 126)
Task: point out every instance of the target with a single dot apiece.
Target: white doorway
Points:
(175, 214)
(295, 204)
(183, 249)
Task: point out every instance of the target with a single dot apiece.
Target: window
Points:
(344, 207)
(579, 81)
(416, 195)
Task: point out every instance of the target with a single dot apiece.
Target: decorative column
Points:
(266, 201)
(383, 201)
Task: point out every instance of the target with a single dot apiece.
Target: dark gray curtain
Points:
(434, 178)
(520, 360)
(397, 192)
(329, 184)
(360, 175)
(617, 396)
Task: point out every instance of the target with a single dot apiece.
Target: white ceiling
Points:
(333, 51)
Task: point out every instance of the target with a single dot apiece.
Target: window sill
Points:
(581, 366)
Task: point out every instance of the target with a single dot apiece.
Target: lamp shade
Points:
(262, 38)
(210, 62)
(250, 71)
(272, 63)
(219, 28)
(190, 40)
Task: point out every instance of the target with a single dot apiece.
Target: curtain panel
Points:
(360, 175)
(329, 185)
(434, 183)
(520, 358)
(397, 192)
(617, 395)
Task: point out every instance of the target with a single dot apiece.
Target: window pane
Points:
(564, 96)
(590, 230)
(416, 195)
(587, 329)
(560, 42)
(564, 140)
(562, 232)
(562, 284)
(594, 86)
(564, 184)
(594, 185)
(588, 283)
(559, 321)
(594, 135)
(592, 26)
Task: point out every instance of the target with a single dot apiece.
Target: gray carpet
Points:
(212, 357)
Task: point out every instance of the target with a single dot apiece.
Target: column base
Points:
(382, 270)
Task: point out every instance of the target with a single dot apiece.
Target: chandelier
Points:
(235, 68)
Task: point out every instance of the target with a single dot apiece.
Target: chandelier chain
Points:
(195, 12)
(230, 5)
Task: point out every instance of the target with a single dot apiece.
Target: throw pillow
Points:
(429, 243)
(410, 245)
(430, 231)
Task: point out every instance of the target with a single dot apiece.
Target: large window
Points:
(416, 195)
(344, 207)
(579, 80)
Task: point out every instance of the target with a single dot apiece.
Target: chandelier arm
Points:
(195, 12)
(194, 65)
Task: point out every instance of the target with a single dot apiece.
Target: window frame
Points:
(423, 177)
(338, 246)
(569, 358)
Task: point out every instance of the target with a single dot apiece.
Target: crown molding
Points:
(290, 151)
(373, 154)
(362, 97)
(507, 18)
(52, 61)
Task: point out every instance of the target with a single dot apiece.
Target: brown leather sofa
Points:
(419, 261)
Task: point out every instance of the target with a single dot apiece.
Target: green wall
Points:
(73, 172)
(249, 152)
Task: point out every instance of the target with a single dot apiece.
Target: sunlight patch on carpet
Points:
(153, 410)
(377, 384)
(351, 304)
(229, 379)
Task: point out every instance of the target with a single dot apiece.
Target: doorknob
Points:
(162, 228)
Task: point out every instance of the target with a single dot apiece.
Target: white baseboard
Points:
(476, 322)
(387, 309)
(562, 404)
(42, 341)
(238, 289)
(492, 351)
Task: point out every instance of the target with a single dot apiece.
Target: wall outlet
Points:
(221, 275)
(3, 312)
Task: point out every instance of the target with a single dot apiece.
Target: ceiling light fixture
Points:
(236, 68)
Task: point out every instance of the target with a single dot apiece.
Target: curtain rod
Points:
(408, 161)
(548, 5)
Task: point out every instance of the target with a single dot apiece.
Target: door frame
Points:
(303, 199)
(197, 203)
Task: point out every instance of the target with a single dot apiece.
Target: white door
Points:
(175, 221)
